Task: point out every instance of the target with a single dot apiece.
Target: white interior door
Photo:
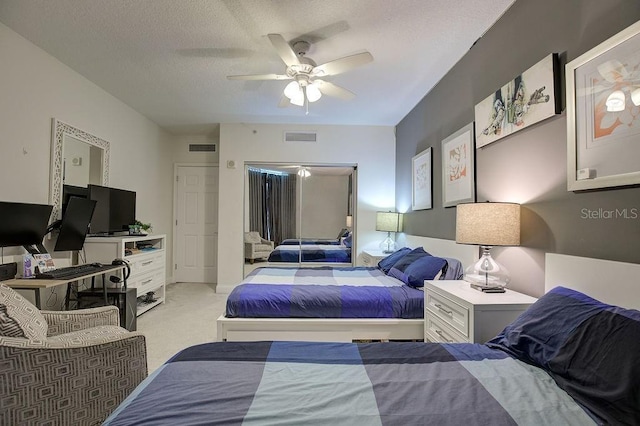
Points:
(196, 227)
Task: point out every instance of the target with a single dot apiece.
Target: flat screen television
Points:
(115, 209)
(23, 224)
(74, 224)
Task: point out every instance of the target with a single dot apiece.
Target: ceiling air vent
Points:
(300, 137)
(202, 147)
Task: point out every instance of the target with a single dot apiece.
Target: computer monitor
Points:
(69, 191)
(75, 224)
(100, 220)
(23, 224)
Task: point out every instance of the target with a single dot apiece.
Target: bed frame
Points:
(616, 283)
(343, 329)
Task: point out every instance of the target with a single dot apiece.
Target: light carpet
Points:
(188, 317)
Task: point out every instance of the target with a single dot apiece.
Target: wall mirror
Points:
(78, 158)
(293, 205)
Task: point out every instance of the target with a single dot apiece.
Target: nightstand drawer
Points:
(436, 331)
(450, 312)
(371, 258)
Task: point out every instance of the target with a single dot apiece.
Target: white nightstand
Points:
(372, 257)
(455, 312)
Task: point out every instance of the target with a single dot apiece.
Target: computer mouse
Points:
(97, 264)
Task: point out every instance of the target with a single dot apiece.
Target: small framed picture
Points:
(458, 174)
(421, 180)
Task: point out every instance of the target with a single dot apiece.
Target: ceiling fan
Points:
(307, 85)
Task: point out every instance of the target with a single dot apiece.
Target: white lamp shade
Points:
(488, 224)
(389, 221)
(635, 97)
(616, 101)
(293, 90)
(349, 221)
(313, 92)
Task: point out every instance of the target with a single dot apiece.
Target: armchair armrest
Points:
(109, 365)
(61, 322)
(263, 241)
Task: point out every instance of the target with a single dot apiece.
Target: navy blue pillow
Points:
(588, 347)
(348, 241)
(423, 268)
(387, 263)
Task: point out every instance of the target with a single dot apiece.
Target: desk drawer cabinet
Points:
(146, 256)
(455, 312)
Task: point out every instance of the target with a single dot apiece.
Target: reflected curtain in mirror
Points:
(272, 205)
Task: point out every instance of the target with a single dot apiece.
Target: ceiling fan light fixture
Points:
(313, 92)
(635, 97)
(616, 101)
(293, 91)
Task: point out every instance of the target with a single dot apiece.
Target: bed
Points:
(336, 328)
(569, 359)
(307, 241)
(306, 253)
(344, 232)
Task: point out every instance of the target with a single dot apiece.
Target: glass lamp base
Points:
(388, 245)
(486, 273)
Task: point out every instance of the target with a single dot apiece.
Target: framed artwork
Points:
(603, 114)
(421, 180)
(458, 174)
(527, 99)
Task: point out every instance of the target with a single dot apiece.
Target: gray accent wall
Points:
(529, 166)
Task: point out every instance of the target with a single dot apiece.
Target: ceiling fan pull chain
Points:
(306, 99)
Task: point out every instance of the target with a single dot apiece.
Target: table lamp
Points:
(488, 225)
(388, 222)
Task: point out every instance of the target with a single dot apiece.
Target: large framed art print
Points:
(421, 181)
(527, 99)
(603, 114)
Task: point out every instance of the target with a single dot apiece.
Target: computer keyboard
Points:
(72, 272)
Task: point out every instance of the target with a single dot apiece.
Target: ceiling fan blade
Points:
(343, 64)
(331, 89)
(259, 77)
(284, 50)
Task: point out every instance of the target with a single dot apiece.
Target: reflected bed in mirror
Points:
(78, 158)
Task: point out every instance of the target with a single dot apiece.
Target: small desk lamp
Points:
(487, 225)
(388, 222)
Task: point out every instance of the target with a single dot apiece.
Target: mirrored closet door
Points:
(298, 214)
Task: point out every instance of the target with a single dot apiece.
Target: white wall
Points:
(372, 148)
(324, 205)
(34, 88)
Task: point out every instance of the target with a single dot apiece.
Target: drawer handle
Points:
(439, 306)
(148, 262)
(147, 281)
(441, 334)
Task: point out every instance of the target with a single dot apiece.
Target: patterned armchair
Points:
(64, 367)
(256, 247)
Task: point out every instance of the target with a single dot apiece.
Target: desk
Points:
(37, 284)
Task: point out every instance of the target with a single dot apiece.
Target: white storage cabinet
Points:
(147, 258)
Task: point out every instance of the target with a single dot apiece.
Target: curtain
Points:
(281, 206)
(258, 203)
(272, 205)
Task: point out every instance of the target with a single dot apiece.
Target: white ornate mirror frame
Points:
(59, 130)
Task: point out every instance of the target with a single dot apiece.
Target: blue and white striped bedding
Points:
(323, 292)
(310, 241)
(304, 383)
(311, 253)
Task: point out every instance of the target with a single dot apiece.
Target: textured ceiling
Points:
(168, 59)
